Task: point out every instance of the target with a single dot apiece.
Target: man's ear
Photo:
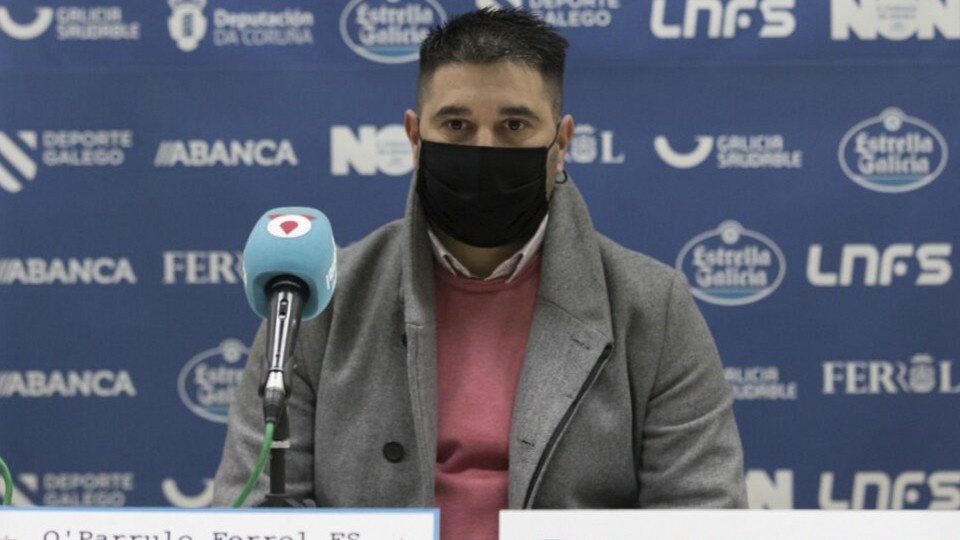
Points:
(564, 136)
(411, 125)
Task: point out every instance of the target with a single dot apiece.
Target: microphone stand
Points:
(286, 304)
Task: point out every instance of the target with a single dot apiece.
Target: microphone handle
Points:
(287, 296)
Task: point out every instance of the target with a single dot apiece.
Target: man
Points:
(491, 350)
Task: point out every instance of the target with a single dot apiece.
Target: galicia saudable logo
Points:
(40, 23)
(732, 265)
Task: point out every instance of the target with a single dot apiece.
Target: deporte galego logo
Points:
(732, 265)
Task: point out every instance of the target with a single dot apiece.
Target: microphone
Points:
(289, 273)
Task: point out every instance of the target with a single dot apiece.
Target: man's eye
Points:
(515, 125)
(455, 125)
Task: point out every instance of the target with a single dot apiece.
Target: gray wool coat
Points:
(621, 401)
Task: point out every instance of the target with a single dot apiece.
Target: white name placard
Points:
(217, 524)
(728, 525)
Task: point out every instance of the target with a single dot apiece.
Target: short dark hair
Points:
(488, 36)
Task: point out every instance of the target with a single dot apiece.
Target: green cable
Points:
(261, 461)
(7, 484)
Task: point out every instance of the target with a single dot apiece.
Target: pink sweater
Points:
(482, 331)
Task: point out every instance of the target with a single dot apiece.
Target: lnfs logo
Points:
(389, 31)
(893, 152)
(724, 19)
(895, 20)
(207, 382)
(40, 23)
(17, 156)
(929, 265)
(731, 265)
(187, 24)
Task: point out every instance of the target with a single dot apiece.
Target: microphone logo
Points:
(289, 225)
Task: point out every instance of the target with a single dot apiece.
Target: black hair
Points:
(488, 36)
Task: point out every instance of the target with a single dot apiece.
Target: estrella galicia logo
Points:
(207, 382)
(389, 31)
(680, 160)
(16, 156)
(731, 265)
(40, 23)
(893, 152)
(187, 24)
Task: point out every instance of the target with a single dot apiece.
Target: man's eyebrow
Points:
(451, 110)
(519, 110)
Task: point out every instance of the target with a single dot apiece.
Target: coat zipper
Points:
(562, 426)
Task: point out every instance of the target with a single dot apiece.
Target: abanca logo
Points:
(731, 265)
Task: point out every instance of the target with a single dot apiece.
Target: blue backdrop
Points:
(793, 161)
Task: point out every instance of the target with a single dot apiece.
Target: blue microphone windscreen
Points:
(291, 241)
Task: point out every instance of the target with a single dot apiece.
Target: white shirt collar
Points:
(508, 268)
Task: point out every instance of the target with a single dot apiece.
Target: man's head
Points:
(493, 78)
(490, 79)
(488, 37)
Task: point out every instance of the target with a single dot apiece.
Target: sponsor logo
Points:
(927, 264)
(207, 382)
(18, 158)
(895, 20)
(725, 19)
(101, 383)
(389, 31)
(867, 490)
(171, 491)
(893, 152)
(731, 265)
(289, 225)
(186, 23)
(70, 271)
(934, 490)
(36, 27)
(759, 383)
(104, 489)
(74, 23)
(563, 13)
(588, 145)
(232, 153)
(759, 151)
(769, 492)
(922, 374)
(202, 267)
(288, 28)
(370, 150)
(60, 148)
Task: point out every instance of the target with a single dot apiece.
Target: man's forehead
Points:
(506, 87)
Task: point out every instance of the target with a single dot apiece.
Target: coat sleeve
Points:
(691, 454)
(245, 431)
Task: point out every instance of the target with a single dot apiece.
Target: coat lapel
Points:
(571, 327)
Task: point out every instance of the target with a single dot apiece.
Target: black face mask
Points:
(481, 195)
